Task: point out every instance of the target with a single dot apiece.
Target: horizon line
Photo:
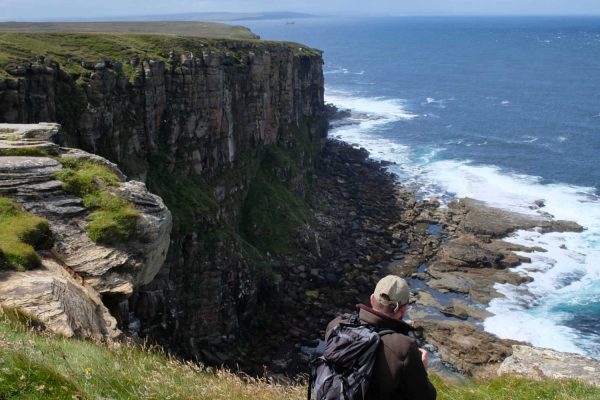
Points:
(141, 18)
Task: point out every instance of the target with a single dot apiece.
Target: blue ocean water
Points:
(502, 109)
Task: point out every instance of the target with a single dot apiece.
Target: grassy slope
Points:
(202, 29)
(42, 366)
(70, 49)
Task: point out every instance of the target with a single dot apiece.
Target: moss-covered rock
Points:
(112, 218)
(20, 234)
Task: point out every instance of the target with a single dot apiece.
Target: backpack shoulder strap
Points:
(384, 332)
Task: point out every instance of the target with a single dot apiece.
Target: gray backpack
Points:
(343, 372)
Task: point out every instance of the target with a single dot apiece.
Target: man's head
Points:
(391, 295)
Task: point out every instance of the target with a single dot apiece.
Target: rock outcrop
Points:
(78, 272)
(539, 363)
(199, 122)
(465, 347)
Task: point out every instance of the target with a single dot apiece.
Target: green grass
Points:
(187, 28)
(70, 49)
(113, 218)
(514, 388)
(41, 366)
(273, 213)
(272, 216)
(24, 151)
(187, 197)
(20, 234)
(38, 365)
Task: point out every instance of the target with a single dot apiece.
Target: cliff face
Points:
(227, 134)
(203, 109)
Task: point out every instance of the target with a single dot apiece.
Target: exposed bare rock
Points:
(194, 117)
(466, 348)
(480, 219)
(111, 270)
(539, 363)
(462, 309)
(467, 251)
(405, 267)
(57, 300)
(14, 137)
(425, 299)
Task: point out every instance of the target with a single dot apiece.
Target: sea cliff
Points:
(227, 132)
(275, 229)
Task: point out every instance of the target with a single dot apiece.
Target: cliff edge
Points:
(86, 260)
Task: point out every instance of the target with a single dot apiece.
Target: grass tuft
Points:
(113, 218)
(23, 152)
(516, 388)
(43, 366)
(39, 365)
(20, 234)
(83, 177)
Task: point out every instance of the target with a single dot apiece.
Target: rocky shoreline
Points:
(366, 226)
(370, 226)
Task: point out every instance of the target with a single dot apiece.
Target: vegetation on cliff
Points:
(20, 234)
(187, 28)
(112, 218)
(76, 52)
(38, 365)
(272, 214)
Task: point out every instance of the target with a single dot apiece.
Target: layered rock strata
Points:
(198, 124)
(79, 276)
(539, 363)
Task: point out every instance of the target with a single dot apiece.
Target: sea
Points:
(505, 110)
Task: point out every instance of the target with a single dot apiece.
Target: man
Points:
(400, 366)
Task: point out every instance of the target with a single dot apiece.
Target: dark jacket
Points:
(398, 373)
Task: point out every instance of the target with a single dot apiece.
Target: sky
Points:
(68, 9)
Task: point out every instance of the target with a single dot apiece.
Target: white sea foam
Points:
(336, 71)
(566, 274)
(431, 101)
(375, 108)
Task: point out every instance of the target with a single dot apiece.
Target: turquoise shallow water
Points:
(504, 110)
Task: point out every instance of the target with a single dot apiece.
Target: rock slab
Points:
(540, 363)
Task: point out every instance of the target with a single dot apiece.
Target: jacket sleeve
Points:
(417, 384)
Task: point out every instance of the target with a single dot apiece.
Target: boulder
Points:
(465, 347)
(462, 309)
(540, 363)
(58, 301)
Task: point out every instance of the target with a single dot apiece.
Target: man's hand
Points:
(424, 357)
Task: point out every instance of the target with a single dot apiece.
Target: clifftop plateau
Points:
(185, 28)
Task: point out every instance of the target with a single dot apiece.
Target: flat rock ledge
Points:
(540, 363)
(78, 273)
(467, 258)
